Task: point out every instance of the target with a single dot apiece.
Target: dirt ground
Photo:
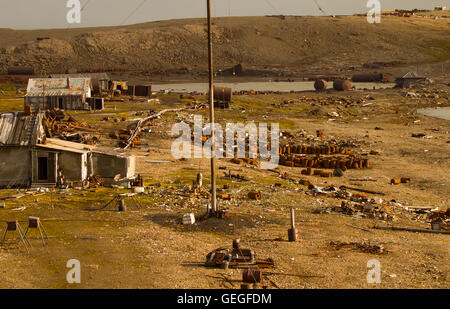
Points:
(149, 247)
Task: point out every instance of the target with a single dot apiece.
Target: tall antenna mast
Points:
(213, 209)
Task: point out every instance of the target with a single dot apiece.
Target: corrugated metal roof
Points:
(17, 129)
(58, 86)
(57, 144)
(100, 76)
(412, 75)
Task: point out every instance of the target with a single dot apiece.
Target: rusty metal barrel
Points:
(367, 78)
(342, 84)
(252, 276)
(223, 94)
(320, 84)
(20, 70)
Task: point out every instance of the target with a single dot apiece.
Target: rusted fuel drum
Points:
(342, 84)
(20, 70)
(367, 78)
(292, 234)
(252, 276)
(223, 94)
(320, 84)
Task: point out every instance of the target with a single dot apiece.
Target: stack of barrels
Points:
(334, 162)
(323, 149)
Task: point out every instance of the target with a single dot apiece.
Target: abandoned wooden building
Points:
(101, 82)
(411, 79)
(28, 158)
(63, 93)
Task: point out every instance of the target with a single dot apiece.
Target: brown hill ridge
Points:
(314, 43)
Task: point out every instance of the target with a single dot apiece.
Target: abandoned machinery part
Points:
(237, 257)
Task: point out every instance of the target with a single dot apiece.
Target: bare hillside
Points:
(260, 42)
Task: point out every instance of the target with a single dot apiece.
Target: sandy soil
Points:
(150, 248)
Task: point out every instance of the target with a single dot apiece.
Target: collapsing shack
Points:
(63, 93)
(411, 79)
(140, 90)
(100, 81)
(28, 158)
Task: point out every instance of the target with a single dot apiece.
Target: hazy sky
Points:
(40, 14)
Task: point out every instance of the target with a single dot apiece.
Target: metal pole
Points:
(292, 218)
(211, 109)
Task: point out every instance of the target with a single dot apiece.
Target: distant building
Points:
(63, 93)
(119, 86)
(100, 81)
(411, 79)
(440, 8)
(28, 158)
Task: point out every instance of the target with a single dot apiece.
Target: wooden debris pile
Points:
(95, 181)
(69, 130)
(363, 247)
(124, 135)
(333, 100)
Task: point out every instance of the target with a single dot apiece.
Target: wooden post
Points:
(292, 232)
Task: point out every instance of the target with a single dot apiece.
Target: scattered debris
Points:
(119, 198)
(253, 195)
(363, 247)
(236, 258)
(188, 219)
(14, 226)
(410, 230)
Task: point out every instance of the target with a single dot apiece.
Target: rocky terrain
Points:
(294, 44)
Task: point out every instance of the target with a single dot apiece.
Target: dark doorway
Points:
(60, 103)
(42, 168)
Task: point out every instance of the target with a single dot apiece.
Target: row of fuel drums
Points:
(338, 84)
(304, 149)
(331, 163)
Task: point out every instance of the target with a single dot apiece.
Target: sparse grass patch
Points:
(11, 105)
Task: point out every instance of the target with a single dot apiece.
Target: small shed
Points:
(63, 93)
(411, 79)
(100, 81)
(140, 90)
(119, 85)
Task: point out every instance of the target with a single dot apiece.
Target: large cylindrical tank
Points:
(320, 84)
(223, 94)
(20, 70)
(367, 78)
(342, 84)
(238, 69)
